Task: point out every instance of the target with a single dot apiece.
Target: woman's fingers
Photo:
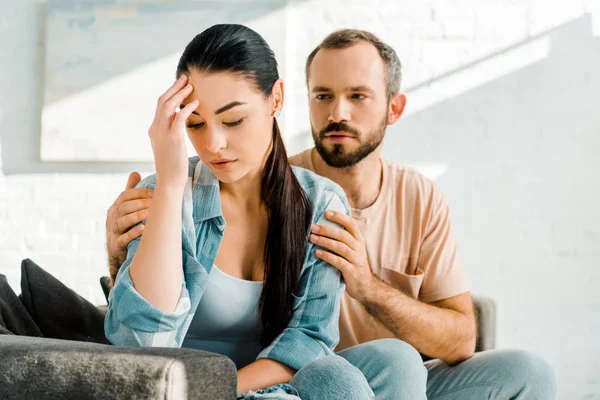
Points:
(167, 139)
(169, 108)
(176, 87)
(166, 112)
(184, 114)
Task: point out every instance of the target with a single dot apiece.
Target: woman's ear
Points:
(277, 97)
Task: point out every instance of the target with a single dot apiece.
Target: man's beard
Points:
(338, 157)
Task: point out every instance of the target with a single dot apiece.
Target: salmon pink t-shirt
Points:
(410, 246)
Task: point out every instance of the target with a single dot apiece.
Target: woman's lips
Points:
(221, 165)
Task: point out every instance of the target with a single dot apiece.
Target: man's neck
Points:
(361, 183)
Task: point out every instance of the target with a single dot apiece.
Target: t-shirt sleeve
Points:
(444, 276)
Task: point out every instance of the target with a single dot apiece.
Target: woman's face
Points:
(231, 130)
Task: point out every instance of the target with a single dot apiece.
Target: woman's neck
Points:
(245, 193)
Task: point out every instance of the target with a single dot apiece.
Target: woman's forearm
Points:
(156, 268)
(263, 373)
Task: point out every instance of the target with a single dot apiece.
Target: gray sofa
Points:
(485, 313)
(40, 368)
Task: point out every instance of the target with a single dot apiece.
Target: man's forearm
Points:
(436, 332)
(114, 264)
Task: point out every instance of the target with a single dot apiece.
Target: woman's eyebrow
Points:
(228, 107)
(222, 109)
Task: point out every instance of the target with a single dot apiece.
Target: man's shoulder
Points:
(313, 183)
(410, 182)
(301, 159)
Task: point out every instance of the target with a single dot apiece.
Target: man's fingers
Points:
(130, 235)
(334, 260)
(338, 248)
(133, 180)
(336, 233)
(344, 220)
(135, 194)
(131, 206)
(125, 222)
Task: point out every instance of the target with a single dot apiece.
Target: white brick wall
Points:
(57, 221)
(514, 138)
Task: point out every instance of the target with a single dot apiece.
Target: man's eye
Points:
(195, 126)
(358, 96)
(323, 97)
(234, 123)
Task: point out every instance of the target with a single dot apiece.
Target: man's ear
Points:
(277, 96)
(396, 108)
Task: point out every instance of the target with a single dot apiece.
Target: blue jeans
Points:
(392, 369)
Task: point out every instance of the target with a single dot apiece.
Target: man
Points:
(398, 256)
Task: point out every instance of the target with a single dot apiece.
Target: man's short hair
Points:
(348, 37)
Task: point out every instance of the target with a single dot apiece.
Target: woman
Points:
(247, 283)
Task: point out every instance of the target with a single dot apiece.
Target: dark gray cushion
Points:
(58, 311)
(105, 285)
(14, 317)
(39, 368)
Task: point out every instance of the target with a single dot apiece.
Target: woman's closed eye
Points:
(194, 126)
(231, 124)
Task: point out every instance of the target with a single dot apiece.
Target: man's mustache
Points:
(337, 127)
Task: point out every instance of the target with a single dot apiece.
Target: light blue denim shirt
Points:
(313, 329)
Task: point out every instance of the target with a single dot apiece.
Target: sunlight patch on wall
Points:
(480, 73)
(101, 95)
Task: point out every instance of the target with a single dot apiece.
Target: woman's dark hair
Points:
(238, 49)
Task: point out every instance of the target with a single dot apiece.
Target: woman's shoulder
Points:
(317, 184)
(322, 192)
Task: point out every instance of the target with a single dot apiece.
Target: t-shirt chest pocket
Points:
(397, 274)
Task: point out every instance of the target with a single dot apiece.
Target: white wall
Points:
(503, 109)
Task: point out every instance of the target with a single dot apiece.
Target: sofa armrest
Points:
(40, 368)
(485, 314)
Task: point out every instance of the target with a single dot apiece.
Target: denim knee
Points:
(530, 375)
(331, 378)
(400, 359)
(393, 368)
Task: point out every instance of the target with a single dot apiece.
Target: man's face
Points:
(348, 103)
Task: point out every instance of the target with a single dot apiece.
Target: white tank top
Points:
(227, 320)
